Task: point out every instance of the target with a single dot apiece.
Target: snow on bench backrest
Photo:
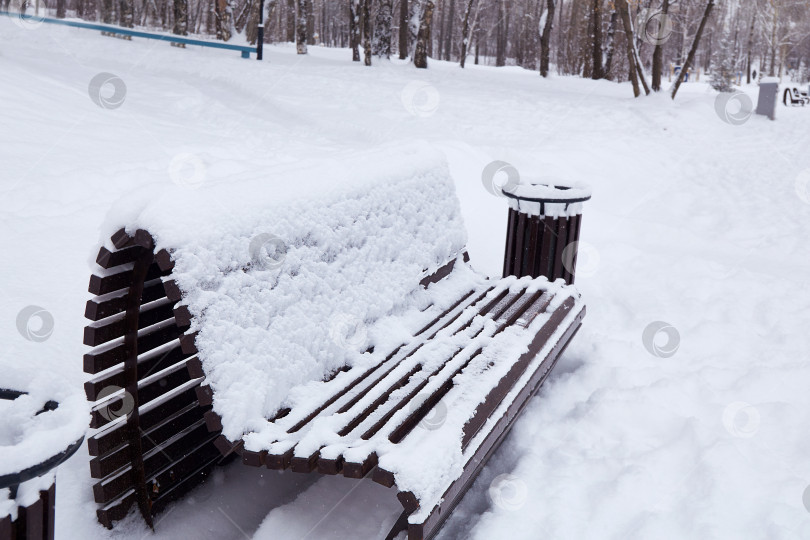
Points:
(358, 236)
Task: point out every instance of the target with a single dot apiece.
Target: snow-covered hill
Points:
(695, 222)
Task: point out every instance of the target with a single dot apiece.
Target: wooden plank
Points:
(107, 440)
(109, 259)
(121, 239)
(509, 248)
(530, 262)
(122, 279)
(31, 519)
(112, 353)
(114, 303)
(112, 460)
(112, 409)
(562, 236)
(155, 460)
(164, 260)
(547, 243)
(485, 409)
(574, 238)
(146, 366)
(520, 232)
(153, 313)
(452, 496)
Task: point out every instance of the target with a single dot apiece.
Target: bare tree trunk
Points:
(500, 36)
(224, 13)
(465, 32)
(448, 39)
(354, 29)
(310, 22)
(693, 50)
(545, 39)
(598, 71)
(403, 29)
(381, 45)
(420, 55)
(60, 9)
(125, 13)
(290, 20)
(441, 6)
(611, 43)
(658, 52)
(367, 32)
(106, 11)
(180, 17)
(772, 72)
(750, 46)
(628, 31)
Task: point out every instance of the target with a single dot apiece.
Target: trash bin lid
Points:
(552, 191)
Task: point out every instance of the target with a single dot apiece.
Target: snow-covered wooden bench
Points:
(366, 347)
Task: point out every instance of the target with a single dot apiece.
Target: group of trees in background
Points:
(617, 40)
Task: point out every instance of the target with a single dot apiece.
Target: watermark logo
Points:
(654, 27)
(187, 170)
(581, 259)
(35, 323)
(115, 409)
(347, 331)
(661, 339)
(420, 98)
(509, 492)
(500, 176)
(25, 20)
(108, 91)
(741, 419)
(435, 418)
(267, 251)
(734, 108)
(806, 498)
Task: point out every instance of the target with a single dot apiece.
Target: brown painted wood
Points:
(520, 244)
(164, 260)
(101, 415)
(110, 354)
(496, 395)
(146, 367)
(114, 303)
(509, 248)
(562, 237)
(150, 314)
(121, 239)
(453, 495)
(109, 259)
(120, 280)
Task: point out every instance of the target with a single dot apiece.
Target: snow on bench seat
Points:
(332, 357)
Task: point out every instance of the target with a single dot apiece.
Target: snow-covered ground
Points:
(695, 222)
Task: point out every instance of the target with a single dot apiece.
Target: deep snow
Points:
(695, 222)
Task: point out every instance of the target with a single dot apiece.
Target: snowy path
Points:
(694, 222)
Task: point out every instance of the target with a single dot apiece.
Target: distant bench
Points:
(476, 352)
(130, 33)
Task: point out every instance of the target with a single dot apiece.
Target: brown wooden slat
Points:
(158, 459)
(452, 496)
(530, 263)
(151, 314)
(520, 232)
(509, 248)
(109, 259)
(164, 260)
(115, 303)
(574, 237)
(106, 441)
(548, 241)
(103, 465)
(485, 409)
(120, 280)
(145, 368)
(121, 239)
(562, 236)
(146, 393)
(111, 354)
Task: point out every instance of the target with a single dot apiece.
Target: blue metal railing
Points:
(171, 38)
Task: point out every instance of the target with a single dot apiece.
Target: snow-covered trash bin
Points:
(542, 233)
(37, 434)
